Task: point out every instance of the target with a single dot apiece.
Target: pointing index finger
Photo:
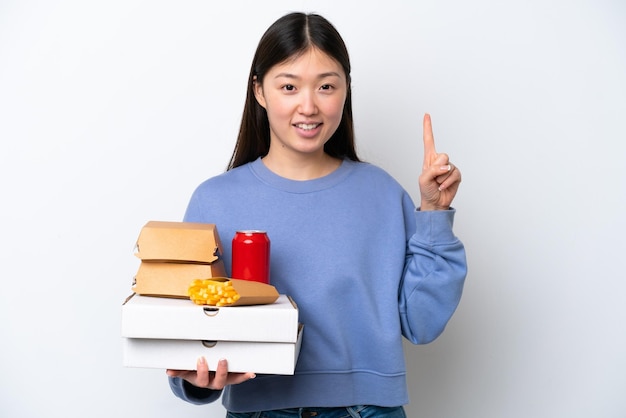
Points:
(429, 141)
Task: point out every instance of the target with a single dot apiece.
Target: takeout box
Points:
(256, 357)
(173, 254)
(169, 318)
(171, 333)
(172, 279)
(179, 241)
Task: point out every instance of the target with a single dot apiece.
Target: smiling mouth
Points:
(307, 126)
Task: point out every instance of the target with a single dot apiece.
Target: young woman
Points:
(348, 244)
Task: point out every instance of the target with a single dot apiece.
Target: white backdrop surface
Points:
(112, 112)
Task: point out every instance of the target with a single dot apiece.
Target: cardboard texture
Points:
(173, 254)
(167, 318)
(178, 241)
(172, 279)
(256, 357)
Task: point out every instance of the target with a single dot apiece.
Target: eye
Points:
(288, 87)
(326, 87)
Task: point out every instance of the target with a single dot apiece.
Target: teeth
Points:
(306, 126)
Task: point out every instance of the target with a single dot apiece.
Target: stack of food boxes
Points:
(163, 328)
(173, 254)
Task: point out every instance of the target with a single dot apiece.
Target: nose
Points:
(307, 105)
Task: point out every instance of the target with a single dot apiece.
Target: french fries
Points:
(212, 292)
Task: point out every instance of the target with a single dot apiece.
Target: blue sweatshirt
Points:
(364, 267)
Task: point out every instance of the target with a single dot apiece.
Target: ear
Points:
(257, 87)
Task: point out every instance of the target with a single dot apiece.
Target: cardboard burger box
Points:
(171, 279)
(173, 254)
(170, 333)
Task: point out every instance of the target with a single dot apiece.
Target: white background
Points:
(111, 112)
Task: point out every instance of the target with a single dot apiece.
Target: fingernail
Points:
(201, 360)
(445, 167)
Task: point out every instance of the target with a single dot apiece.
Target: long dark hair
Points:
(289, 36)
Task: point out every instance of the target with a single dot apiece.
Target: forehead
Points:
(312, 61)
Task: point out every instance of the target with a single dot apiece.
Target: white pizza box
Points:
(242, 356)
(180, 319)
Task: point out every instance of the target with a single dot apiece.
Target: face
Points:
(304, 99)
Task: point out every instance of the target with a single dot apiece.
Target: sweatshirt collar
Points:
(301, 186)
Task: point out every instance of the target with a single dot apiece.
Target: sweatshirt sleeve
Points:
(434, 276)
(192, 394)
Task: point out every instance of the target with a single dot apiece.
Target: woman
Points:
(363, 264)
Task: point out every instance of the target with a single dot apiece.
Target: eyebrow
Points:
(320, 76)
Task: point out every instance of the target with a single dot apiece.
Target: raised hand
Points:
(440, 179)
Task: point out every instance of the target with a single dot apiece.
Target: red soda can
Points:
(251, 256)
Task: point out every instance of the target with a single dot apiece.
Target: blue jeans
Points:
(359, 411)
